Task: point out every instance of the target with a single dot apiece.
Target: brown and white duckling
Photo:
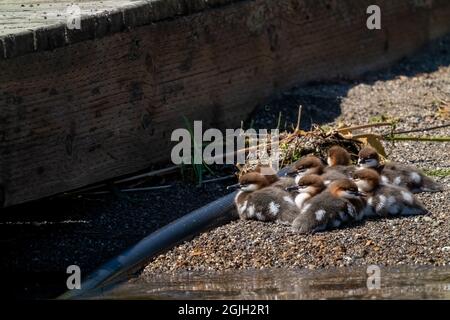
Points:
(339, 160)
(313, 165)
(385, 199)
(258, 200)
(338, 156)
(305, 166)
(398, 174)
(306, 188)
(329, 209)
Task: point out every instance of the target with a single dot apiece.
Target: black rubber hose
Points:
(212, 215)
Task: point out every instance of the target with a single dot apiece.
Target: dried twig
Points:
(364, 135)
(140, 176)
(149, 174)
(415, 138)
(422, 129)
(130, 190)
(364, 126)
(299, 117)
(279, 120)
(219, 179)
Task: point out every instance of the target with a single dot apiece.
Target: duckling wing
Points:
(347, 171)
(410, 178)
(270, 204)
(322, 212)
(331, 175)
(283, 183)
(429, 185)
(390, 200)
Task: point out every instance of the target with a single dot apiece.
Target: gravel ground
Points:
(410, 92)
(253, 244)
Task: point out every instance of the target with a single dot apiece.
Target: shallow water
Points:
(340, 283)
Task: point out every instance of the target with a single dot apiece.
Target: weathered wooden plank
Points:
(32, 13)
(103, 107)
(98, 18)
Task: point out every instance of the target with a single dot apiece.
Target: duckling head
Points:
(252, 181)
(311, 183)
(306, 166)
(366, 179)
(338, 156)
(345, 188)
(368, 158)
(267, 171)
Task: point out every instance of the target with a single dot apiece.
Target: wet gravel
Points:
(411, 92)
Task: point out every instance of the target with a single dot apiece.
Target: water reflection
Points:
(340, 283)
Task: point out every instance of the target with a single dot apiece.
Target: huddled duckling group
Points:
(315, 197)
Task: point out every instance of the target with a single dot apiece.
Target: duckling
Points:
(307, 187)
(339, 160)
(330, 208)
(313, 165)
(338, 156)
(398, 174)
(384, 199)
(305, 166)
(258, 200)
(272, 177)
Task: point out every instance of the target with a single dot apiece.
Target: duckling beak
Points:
(291, 188)
(234, 186)
(293, 173)
(359, 193)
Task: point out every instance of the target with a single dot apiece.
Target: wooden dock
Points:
(81, 106)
